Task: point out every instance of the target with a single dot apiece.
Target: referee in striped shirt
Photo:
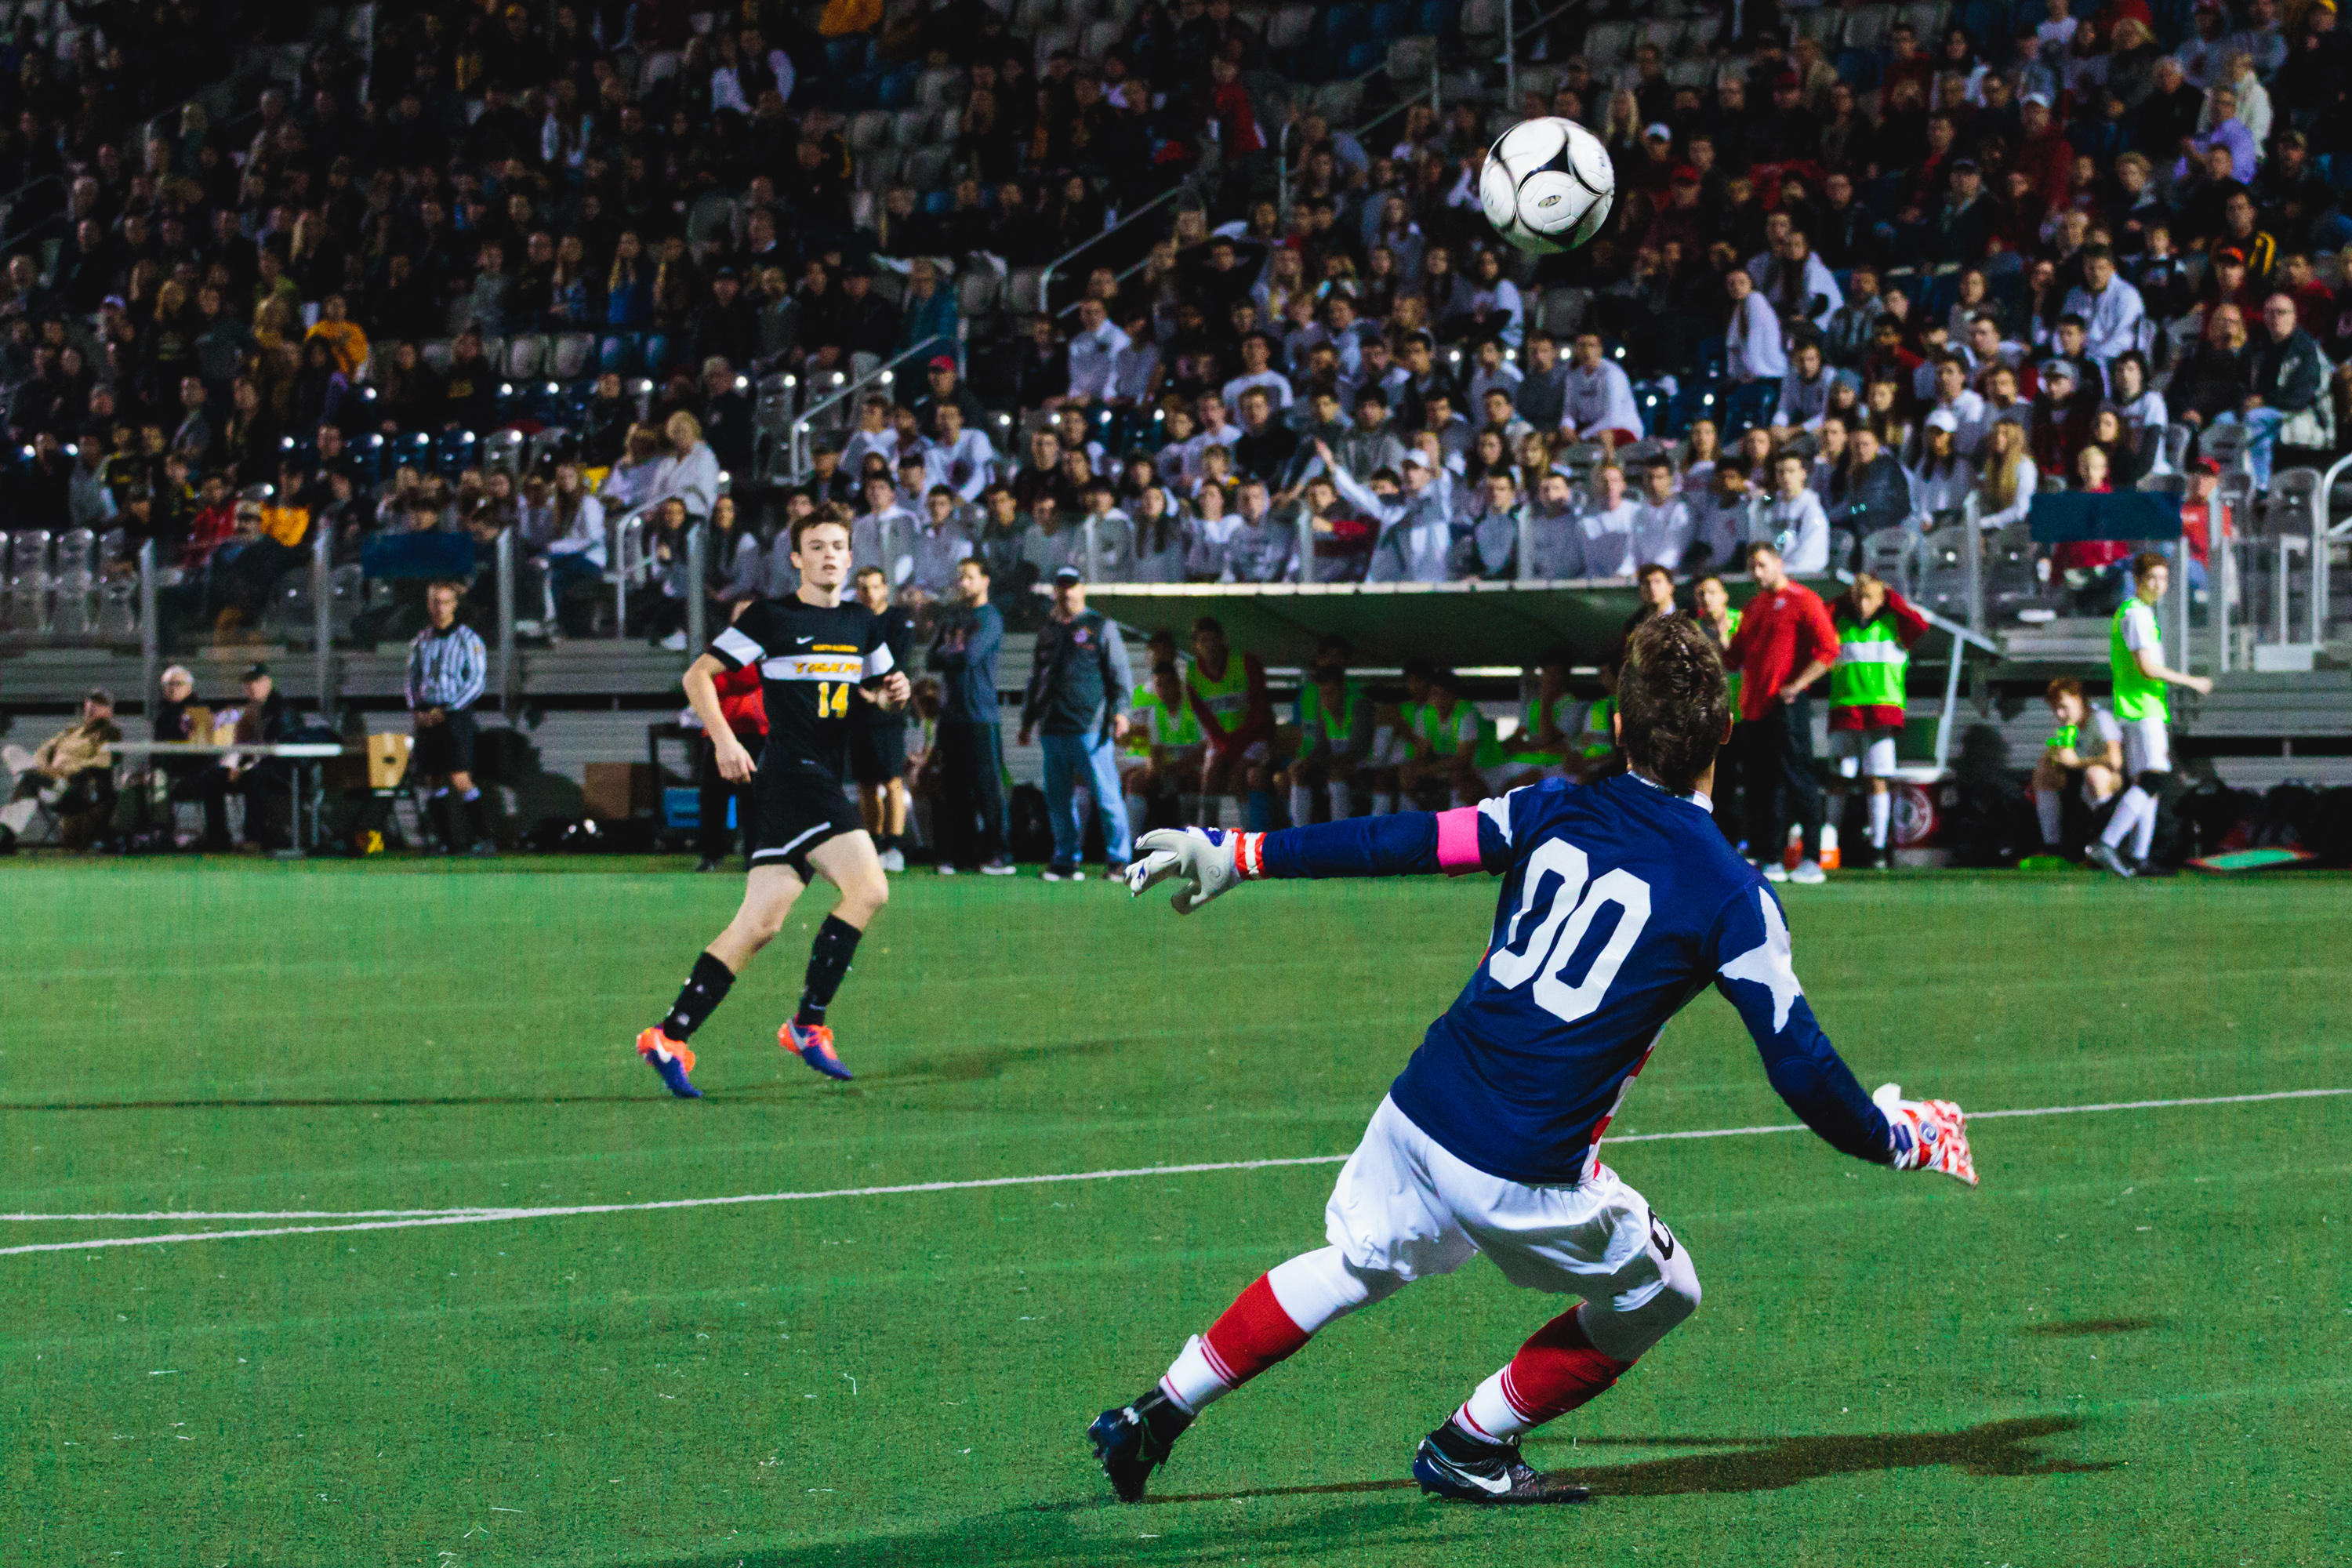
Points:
(448, 667)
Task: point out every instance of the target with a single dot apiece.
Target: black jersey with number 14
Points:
(810, 659)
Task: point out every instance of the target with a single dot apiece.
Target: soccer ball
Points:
(1547, 185)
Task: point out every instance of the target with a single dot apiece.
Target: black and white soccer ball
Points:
(1547, 185)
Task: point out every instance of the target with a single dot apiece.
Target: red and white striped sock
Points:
(1254, 1333)
(1556, 1371)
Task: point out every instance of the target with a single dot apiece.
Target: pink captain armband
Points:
(1457, 841)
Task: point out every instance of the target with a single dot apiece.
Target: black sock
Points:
(703, 991)
(478, 816)
(829, 956)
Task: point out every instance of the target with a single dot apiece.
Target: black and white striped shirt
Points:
(446, 668)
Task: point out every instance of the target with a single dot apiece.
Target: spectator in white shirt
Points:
(963, 460)
(1489, 371)
(1162, 545)
(1213, 522)
(1753, 337)
(1257, 370)
(2113, 315)
(1557, 552)
(874, 434)
(1216, 427)
(1260, 549)
(1663, 528)
(1942, 478)
(1135, 368)
(1608, 523)
(1966, 409)
(1804, 393)
(1094, 349)
(2142, 406)
(1108, 535)
(691, 473)
(1797, 526)
(1179, 456)
(937, 547)
(1496, 307)
(884, 534)
(1416, 522)
(1597, 399)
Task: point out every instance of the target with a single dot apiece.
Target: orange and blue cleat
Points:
(671, 1060)
(813, 1043)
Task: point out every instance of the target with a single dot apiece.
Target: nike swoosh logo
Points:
(1496, 1487)
(802, 642)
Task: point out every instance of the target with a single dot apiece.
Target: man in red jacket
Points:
(1785, 642)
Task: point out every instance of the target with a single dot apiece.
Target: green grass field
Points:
(2128, 1347)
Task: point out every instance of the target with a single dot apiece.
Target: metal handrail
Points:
(1045, 277)
(2324, 534)
(886, 371)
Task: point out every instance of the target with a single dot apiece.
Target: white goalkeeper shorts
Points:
(1863, 754)
(2148, 749)
(1405, 1207)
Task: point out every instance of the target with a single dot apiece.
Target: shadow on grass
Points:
(2085, 1327)
(972, 1067)
(1386, 1511)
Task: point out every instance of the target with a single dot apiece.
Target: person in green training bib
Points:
(1335, 736)
(1876, 627)
(1165, 749)
(1540, 747)
(1228, 695)
(2088, 742)
(2135, 660)
(1592, 748)
(1455, 743)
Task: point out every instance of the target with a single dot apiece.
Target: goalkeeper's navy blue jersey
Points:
(1619, 903)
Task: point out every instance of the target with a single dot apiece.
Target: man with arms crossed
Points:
(1620, 902)
(817, 655)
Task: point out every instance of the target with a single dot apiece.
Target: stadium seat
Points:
(911, 127)
(1289, 28)
(435, 352)
(1437, 16)
(1482, 19)
(1865, 26)
(28, 580)
(1697, 73)
(1563, 311)
(1895, 555)
(848, 57)
(1608, 44)
(1747, 407)
(1664, 32)
(926, 169)
(868, 129)
(525, 357)
(938, 204)
(568, 359)
(1389, 21)
(1338, 27)
(1410, 59)
(1699, 34)
(454, 451)
(1927, 20)
(1819, 23)
(939, 89)
(617, 354)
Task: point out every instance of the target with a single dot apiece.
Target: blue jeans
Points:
(1067, 758)
(2261, 439)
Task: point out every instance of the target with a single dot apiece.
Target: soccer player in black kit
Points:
(816, 655)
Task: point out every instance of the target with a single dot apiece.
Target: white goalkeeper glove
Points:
(1206, 860)
(1929, 1135)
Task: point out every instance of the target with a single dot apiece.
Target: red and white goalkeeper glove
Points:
(1206, 860)
(1929, 1135)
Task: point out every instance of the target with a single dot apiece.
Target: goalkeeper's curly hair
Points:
(1672, 704)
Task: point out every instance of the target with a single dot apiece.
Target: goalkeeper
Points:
(1618, 903)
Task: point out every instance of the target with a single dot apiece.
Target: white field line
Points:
(408, 1219)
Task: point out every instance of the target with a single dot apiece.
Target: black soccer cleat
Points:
(1133, 1440)
(1453, 1465)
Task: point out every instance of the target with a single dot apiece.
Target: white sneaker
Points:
(1808, 873)
(673, 643)
(1775, 872)
(892, 860)
(947, 869)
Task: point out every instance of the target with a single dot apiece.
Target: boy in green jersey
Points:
(2135, 660)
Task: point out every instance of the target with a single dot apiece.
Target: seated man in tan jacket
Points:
(72, 774)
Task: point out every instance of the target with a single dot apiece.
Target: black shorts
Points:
(877, 752)
(801, 804)
(445, 748)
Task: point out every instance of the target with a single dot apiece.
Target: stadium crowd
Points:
(1858, 270)
(1866, 266)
